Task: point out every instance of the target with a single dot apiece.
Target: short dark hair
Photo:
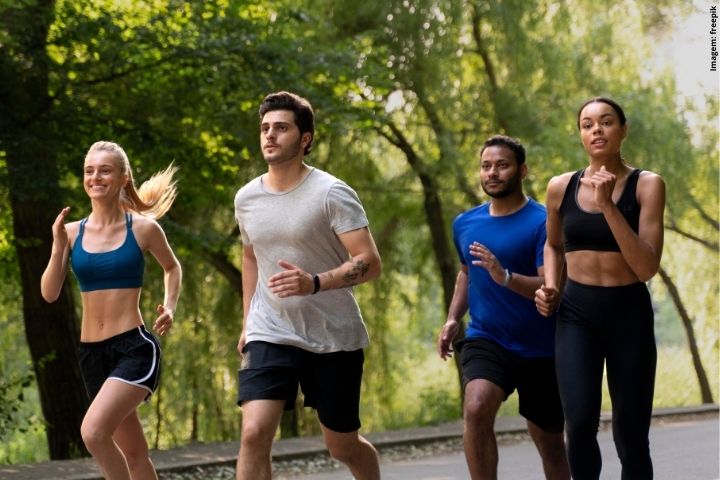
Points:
(503, 140)
(618, 109)
(301, 108)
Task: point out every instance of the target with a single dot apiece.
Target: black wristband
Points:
(316, 282)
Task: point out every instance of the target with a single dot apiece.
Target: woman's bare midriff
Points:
(603, 269)
(107, 313)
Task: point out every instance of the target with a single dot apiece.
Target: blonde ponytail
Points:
(154, 197)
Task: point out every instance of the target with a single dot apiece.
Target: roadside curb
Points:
(225, 453)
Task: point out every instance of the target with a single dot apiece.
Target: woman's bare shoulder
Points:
(556, 188)
(560, 181)
(72, 229)
(147, 230)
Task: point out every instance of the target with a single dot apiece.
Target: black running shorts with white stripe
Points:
(132, 357)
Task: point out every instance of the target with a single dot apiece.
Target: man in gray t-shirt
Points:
(306, 243)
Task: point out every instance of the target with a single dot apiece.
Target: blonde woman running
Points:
(119, 358)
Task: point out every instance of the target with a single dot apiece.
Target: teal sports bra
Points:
(119, 268)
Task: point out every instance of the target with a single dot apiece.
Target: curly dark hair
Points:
(511, 143)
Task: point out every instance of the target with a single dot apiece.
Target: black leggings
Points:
(612, 325)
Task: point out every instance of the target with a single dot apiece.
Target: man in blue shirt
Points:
(508, 344)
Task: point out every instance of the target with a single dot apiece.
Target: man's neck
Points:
(500, 207)
(285, 176)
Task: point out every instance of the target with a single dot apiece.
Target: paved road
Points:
(684, 442)
(682, 450)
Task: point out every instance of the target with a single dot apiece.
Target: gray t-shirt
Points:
(301, 226)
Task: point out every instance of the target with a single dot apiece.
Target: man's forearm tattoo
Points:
(356, 273)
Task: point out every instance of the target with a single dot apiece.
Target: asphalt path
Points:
(681, 449)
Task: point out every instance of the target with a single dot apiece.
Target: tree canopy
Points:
(405, 92)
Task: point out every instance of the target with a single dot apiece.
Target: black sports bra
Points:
(585, 230)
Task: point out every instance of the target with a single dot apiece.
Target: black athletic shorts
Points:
(132, 357)
(534, 379)
(330, 382)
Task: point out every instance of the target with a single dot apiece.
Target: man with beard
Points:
(306, 243)
(508, 344)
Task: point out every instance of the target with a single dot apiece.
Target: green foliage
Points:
(8, 263)
(21, 426)
(668, 325)
(675, 385)
(12, 391)
(181, 81)
(696, 278)
(16, 377)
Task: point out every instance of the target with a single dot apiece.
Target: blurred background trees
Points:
(405, 91)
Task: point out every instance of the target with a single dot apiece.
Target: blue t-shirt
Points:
(496, 312)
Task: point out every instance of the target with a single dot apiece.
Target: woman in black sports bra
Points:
(119, 358)
(605, 225)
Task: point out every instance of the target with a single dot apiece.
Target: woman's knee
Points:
(93, 433)
(582, 424)
(631, 440)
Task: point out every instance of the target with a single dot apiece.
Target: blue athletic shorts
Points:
(330, 382)
(132, 357)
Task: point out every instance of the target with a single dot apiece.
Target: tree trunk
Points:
(51, 329)
(447, 263)
(433, 213)
(26, 137)
(705, 391)
(496, 92)
(444, 255)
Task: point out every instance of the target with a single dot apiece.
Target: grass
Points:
(676, 385)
